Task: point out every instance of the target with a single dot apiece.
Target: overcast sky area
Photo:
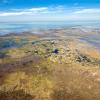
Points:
(49, 10)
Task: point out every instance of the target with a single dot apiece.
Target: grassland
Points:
(34, 68)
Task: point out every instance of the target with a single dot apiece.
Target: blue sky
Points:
(52, 10)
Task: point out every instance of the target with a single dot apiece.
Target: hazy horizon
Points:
(40, 10)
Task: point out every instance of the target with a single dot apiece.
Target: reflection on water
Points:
(8, 27)
(93, 39)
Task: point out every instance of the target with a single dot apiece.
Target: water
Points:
(94, 40)
(9, 27)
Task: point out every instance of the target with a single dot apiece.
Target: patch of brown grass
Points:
(15, 95)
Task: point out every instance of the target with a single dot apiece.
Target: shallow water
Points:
(7, 27)
(94, 39)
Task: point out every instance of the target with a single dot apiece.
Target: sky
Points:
(49, 10)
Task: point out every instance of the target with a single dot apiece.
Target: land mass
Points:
(52, 64)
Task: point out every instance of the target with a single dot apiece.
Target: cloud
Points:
(33, 11)
(88, 11)
(17, 12)
(51, 13)
(38, 9)
(14, 14)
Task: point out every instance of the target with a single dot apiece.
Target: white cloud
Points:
(54, 13)
(32, 11)
(14, 13)
(89, 11)
(38, 9)
(17, 12)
